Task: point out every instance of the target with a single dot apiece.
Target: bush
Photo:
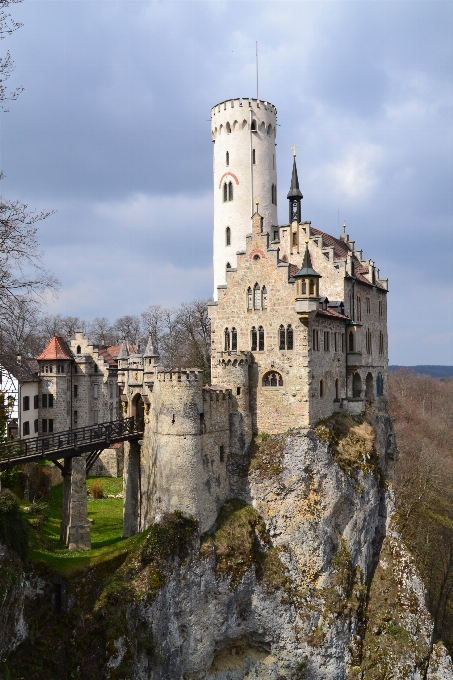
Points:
(13, 526)
(97, 490)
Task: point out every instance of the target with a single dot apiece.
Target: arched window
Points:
(311, 287)
(264, 297)
(261, 339)
(253, 339)
(228, 266)
(96, 369)
(234, 339)
(227, 158)
(356, 386)
(228, 128)
(269, 129)
(281, 337)
(249, 298)
(225, 192)
(228, 236)
(304, 287)
(253, 127)
(230, 191)
(257, 296)
(337, 390)
(289, 337)
(321, 388)
(351, 342)
(272, 379)
(379, 385)
(79, 349)
(253, 157)
(226, 334)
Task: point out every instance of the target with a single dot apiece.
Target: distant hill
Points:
(434, 371)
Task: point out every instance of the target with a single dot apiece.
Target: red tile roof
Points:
(293, 269)
(331, 313)
(56, 349)
(341, 250)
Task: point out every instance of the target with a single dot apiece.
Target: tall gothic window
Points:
(261, 339)
(311, 287)
(249, 298)
(227, 339)
(359, 308)
(264, 297)
(304, 287)
(289, 337)
(281, 337)
(253, 157)
(253, 339)
(379, 385)
(234, 339)
(253, 127)
(230, 191)
(227, 157)
(228, 236)
(257, 296)
(225, 192)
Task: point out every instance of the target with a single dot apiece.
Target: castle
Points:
(298, 328)
(298, 332)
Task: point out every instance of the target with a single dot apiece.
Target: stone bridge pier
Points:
(74, 527)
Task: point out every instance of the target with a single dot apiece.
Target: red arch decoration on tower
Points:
(225, 175)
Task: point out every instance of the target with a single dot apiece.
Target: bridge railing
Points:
(70, 439)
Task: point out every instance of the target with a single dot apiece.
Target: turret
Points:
(150, 360)
(307, 287)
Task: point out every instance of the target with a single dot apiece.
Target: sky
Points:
(112, 132)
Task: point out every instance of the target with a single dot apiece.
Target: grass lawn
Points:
(106, 532)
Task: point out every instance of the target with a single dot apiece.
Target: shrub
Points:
(13, 526)
(97, 490)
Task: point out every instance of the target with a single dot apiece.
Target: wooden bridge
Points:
(90, 440)
(78, 449)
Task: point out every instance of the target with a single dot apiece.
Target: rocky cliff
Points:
(302, 576)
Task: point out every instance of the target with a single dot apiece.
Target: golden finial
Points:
(257, 203)
(307, 238)
(293, 148)
(344, 227)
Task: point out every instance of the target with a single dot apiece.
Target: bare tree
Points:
(195, 325)
(7, 26)
(128, 328)
(101, 332)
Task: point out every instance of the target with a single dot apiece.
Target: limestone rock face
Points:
(302, 613)
(13, 629)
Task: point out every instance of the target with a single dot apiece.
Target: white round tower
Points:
(245, 171)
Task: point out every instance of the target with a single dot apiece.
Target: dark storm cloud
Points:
(113, 130)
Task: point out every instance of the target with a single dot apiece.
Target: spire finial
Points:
(293, 148)
(257, 202)
(344, 227)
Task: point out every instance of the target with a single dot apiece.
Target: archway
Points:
(138, 408)
(369, 387)
(356, 386)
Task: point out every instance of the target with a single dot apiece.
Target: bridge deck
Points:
(69, 443)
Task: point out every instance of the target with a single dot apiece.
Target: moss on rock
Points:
(267, 455)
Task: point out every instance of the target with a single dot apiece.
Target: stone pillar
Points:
(131, 489)
(74, 527)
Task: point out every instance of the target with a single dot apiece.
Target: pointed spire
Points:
(307, 267)
(150, 351)
(294, 191)
(123, 353)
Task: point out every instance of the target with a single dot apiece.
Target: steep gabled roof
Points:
(24, 372)
(57, 348)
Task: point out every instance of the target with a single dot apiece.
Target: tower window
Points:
(228, 236)
(253, 339)
(321, 388)
(249, 298)
(337, 390)
(359, 308)
(261, 339)
(78, 350)
(289, 337)
(225, 192)
(253, 126)
(351, 341)
(230, 191)
(281, 337)
(379, 385)
(304, 287)
(227, 158)
(381, 342)
(253, 157)
(234, 339)
(226, 334)
(257, 296)
(264, 297)
(326, 341)
(294, 239)
(311, 287)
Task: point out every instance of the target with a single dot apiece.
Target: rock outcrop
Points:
(302, 576)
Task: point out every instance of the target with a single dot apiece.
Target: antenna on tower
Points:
(256, 46)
